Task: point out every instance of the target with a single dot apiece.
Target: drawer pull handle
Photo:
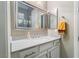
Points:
(29, 54)
(47, 55)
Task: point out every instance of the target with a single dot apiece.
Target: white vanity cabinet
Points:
(46, 50)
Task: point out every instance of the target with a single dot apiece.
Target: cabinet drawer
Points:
(15, 55)
(56, 42)
(42, 55)
(46, 46)
(29, 52)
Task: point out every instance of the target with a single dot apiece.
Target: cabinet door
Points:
(42, 55)
(55, 53)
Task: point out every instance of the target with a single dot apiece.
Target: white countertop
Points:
(26, 43)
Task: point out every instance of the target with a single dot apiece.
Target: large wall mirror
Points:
(29, 17)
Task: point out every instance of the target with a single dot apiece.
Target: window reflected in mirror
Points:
(28, 17)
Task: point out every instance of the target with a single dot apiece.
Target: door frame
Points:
(76, 11)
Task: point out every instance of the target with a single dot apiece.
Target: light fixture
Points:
(39, 2)
(54, 11)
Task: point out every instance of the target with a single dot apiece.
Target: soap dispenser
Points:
(28, 35)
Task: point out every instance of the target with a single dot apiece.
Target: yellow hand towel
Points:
(61, 25)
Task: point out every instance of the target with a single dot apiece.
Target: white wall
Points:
(65, 9)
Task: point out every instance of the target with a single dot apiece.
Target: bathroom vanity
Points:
(44, 47)
(26, 17)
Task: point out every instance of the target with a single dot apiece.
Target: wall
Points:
(65, 8)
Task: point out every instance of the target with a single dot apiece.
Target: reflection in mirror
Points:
(38, 19)
(53, 20)
(42, 18)
(23, 16)
(29, 17)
